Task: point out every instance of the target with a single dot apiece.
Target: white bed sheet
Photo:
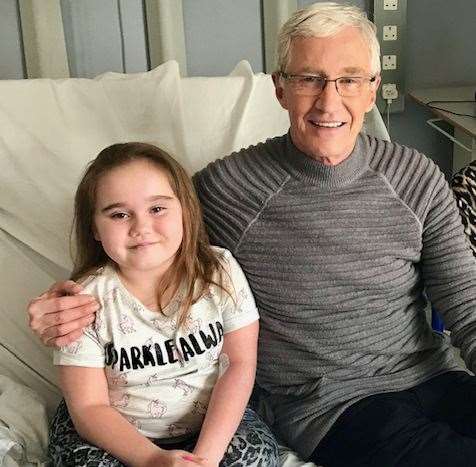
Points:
(23, 424)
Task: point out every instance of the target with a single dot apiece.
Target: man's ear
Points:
(279, 90)
(373, 94)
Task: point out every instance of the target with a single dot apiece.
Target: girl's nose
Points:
(140, 226)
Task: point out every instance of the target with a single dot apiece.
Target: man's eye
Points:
(311, 79)
(349, 81)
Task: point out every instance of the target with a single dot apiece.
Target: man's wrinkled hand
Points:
(59, 315)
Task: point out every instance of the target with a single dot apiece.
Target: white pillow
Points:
(50, 129)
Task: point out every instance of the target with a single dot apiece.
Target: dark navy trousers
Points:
(430, 425)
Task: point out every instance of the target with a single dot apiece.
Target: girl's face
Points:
(138, 219)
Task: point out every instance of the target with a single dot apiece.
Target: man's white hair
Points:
(323, 20)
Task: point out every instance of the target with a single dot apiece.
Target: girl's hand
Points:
(174, 458)
(206, 463)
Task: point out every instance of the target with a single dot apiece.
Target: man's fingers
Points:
(60, 330)
(67, 302)
(61, 288)
(63, 341)
(66, 316)
(59, 316)
(65, 288)
(38, 308)
(47, 322)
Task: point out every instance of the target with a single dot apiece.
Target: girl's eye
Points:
(119, 215)
(157, 209)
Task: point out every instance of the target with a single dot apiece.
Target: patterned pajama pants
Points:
(252, 445)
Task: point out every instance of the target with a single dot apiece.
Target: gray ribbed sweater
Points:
(337, 258)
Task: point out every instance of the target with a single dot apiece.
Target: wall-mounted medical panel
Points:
(390, 18)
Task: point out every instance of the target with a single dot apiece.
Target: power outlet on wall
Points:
(389, 16)
(390, 4)
(389, 62)
(390, 33)
(389, 91)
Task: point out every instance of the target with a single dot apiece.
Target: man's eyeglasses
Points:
(312, 85)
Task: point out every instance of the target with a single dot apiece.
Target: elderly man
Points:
(341, 237)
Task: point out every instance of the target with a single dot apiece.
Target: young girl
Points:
(163, 376)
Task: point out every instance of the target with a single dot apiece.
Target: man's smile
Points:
(327, 124)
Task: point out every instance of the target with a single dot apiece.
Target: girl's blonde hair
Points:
(195, 263)
(323, 20)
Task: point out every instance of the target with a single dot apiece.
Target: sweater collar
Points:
(305, 168)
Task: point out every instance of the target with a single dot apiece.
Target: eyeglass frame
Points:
(287, 76)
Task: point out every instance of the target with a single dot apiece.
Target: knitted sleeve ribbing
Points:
(447, 264)
(233, 190)
(449, 270)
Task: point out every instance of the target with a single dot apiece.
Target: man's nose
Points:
(329, 99)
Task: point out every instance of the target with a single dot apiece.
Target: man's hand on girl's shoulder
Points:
(59, 315)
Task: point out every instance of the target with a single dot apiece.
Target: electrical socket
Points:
(389, 91)
(389, 62)
(390, 33)
(390, 4)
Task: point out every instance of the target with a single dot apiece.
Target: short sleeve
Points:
(86, 351)
(239, 309)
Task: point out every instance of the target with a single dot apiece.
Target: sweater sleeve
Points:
(232, 191)
(449, 269)
(218, 195)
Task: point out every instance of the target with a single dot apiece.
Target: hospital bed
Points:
(49, 130)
